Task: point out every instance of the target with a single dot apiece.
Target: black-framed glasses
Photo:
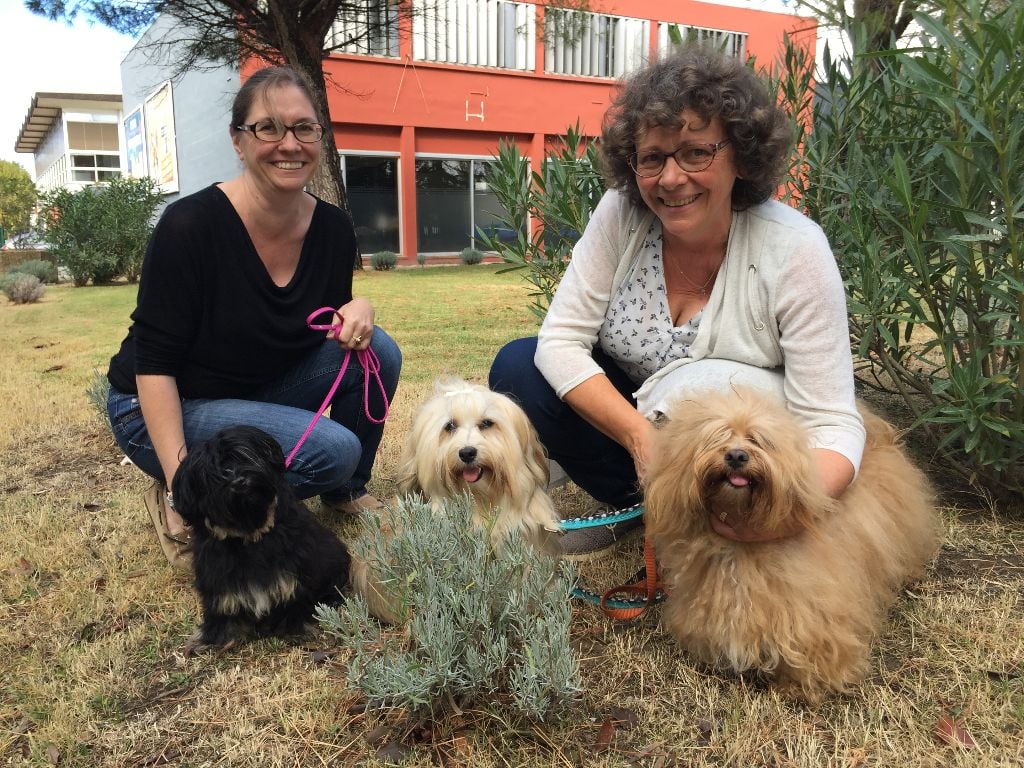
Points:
(271, 130)
(691, 157)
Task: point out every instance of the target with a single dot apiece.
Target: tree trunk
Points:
(327, 181)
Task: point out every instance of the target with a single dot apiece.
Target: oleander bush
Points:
(383, 260)
(488, 629)
(100, 232)
(913, 163)
(560, 200)
(21, 288)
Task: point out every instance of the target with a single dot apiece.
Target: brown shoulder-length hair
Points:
(711, 84)
(256, 87)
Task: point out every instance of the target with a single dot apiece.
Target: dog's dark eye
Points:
(485, 424)
(450, 426)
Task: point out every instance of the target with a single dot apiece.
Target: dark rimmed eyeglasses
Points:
(691, 157)
(271, 130)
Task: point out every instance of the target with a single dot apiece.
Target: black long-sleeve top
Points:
(208, 312)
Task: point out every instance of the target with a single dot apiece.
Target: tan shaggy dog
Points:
(803, 609)
(466, 439)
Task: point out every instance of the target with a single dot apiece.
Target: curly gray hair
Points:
(713, 85)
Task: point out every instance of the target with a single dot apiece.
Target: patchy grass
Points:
(93, 623)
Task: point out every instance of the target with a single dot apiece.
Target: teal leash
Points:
(610, 517)
(603, 518)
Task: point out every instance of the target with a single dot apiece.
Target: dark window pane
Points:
(83, 161)
(372, 186)
(108, 161)
(442, 205)
(488, 214)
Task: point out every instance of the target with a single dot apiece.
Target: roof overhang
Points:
(46, 109)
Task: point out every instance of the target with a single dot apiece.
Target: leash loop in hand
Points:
(371, 368)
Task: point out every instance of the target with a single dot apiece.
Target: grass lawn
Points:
(93, 622)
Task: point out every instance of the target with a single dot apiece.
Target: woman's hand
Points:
(356, 320)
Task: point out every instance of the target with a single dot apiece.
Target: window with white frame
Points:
(483, 33)
(371, 183)
(453, 201)
(370, 27)
(593, 44)
(93, 168)
(731, 43)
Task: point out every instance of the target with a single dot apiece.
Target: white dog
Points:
(468, 439)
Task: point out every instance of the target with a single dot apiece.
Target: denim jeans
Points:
(593, 461)
(336, 459)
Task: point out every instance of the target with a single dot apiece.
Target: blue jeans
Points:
(337, 458)
(593, 461)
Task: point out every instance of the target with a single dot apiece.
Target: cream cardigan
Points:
(778, 305)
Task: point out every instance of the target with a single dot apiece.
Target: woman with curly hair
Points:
(688, 276)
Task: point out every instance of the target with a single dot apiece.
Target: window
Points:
(488, 213)
(453, 200)
(372, 187)
(484, 33)
(443, 205)
(593, 44)
(370, 27)
(94, 168)
(732, 43)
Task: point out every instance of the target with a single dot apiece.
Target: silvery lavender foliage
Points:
(486, 628)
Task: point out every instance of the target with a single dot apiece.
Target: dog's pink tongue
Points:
(738, 481)
(471, 474)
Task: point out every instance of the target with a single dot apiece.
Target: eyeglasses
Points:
(691, 157)
(271, 130)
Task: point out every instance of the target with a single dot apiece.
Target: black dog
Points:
(262, 562)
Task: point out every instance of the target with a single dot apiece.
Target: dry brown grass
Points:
(92, 622)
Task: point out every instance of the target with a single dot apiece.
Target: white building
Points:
(75, 138)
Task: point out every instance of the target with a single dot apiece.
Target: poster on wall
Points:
(160, 145)
(135, 145)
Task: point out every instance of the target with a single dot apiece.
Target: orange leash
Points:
(649, 589)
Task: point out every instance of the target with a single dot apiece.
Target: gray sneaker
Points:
(580, 544)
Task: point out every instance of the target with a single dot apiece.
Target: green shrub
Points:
(486, 628)
(560, 201)
(44, 270)
(383, 260)
(21, 288)
(421, 259)
(471, 256)
(101, 231)
(914, 167)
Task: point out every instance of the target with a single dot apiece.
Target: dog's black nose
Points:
(736, 458)
(467, 454)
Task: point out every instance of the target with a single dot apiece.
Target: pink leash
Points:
(371, 367)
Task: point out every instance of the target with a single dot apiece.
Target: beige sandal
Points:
(177, 547)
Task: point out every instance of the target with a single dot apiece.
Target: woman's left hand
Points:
(356, 319)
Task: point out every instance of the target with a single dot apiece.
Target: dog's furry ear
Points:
(407, 475)
(670, 487)
(190, 484)
(535, 459)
